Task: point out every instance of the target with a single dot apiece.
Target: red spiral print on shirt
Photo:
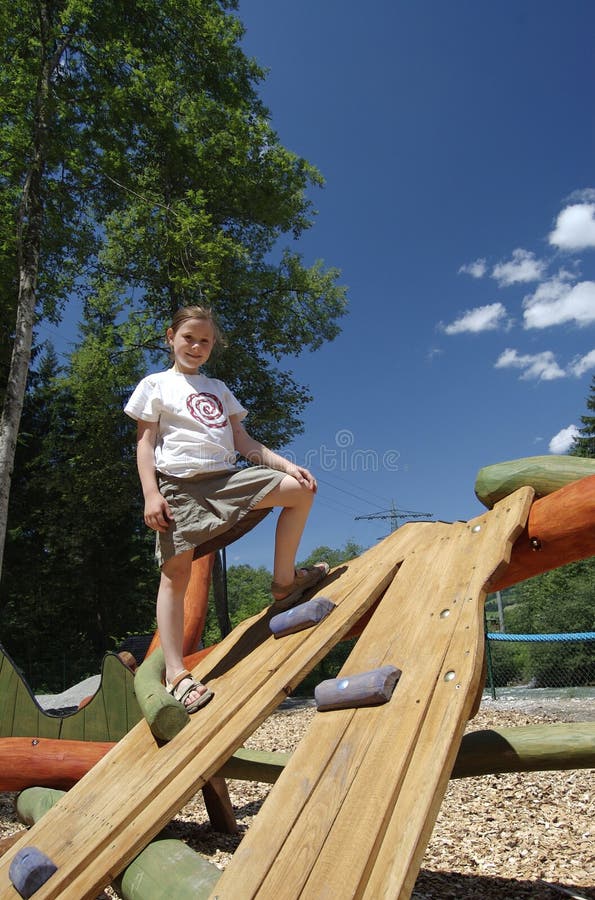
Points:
(208, 409)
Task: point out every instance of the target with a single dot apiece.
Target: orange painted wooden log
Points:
(196, 601)
(560, 530)
(193, 659)
(27, 762)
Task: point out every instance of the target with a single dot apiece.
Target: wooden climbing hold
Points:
(299, 617)
(366, 689)
(29, 870)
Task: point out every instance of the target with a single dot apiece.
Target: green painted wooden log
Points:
(255, 765)
(166, 868)
(526, 748)
(34, 802)
(545, 474)
(165, 715)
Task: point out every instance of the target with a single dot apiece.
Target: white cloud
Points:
(523, 267)
(556, 302)
(582, 364)
(563, 441)
(482, 318)
(476, 269)
(582, 195)
(575, 227)
(542, 366)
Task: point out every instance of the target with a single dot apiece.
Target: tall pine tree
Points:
(584, 444)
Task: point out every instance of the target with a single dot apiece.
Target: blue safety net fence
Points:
(544, 638)
(540, 661)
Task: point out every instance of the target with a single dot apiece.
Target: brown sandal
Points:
(305, 577)
(180, 693)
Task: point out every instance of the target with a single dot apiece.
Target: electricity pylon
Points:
(394, 514)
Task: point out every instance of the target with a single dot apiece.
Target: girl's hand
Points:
(158, 515)
(304, 477)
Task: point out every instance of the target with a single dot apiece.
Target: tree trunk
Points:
(29, 230)
(29, 245)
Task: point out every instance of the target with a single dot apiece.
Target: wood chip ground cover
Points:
(498, 837)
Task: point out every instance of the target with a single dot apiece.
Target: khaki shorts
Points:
(210, 511)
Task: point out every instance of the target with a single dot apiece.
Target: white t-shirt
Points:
(193, 411)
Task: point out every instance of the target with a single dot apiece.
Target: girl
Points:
(189, 434)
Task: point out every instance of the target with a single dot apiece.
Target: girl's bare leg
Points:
(175, 574)
(296, 501)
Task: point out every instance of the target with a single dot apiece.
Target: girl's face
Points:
(191, 344)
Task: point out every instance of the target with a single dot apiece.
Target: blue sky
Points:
(457, 144)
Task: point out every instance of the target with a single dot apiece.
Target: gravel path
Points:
(499, 837)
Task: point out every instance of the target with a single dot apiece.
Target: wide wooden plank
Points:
(104, 821)
(321, 831)
(398, 857)
(301, 809)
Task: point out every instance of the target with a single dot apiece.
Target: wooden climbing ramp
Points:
(352, 812)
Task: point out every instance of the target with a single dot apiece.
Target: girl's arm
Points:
(157, 512)
(256, 452)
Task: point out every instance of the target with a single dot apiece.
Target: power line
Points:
(348, 493)
(349, 482)
(394, 514)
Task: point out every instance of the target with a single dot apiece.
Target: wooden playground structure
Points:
(365, 784)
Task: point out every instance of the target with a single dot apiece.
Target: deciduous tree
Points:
(137, 160)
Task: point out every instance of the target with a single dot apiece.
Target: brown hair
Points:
(197, 312)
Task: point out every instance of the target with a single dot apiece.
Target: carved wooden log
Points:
(196, 601)
(560, 530)
(545, 474)
(54, 763)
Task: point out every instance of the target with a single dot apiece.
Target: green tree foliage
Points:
(79, 563)
(248, 592)
(557, 602)
(137, 162)
(334, 557)
(584, 444)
